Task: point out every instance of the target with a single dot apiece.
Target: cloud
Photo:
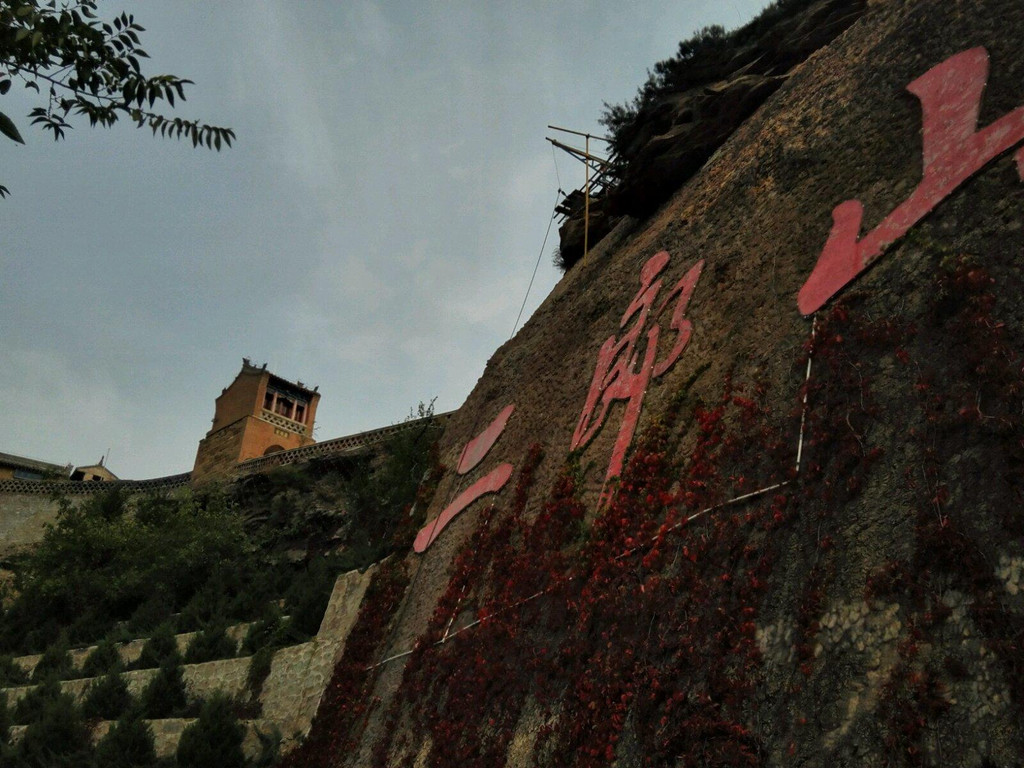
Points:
(51, 408)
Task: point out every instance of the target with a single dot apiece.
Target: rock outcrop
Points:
(678, 130)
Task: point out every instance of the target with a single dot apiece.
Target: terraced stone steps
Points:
(201, 681)
(167, 734)
(131, 650)
(289, 696)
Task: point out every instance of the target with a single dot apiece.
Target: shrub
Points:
(259, 669)
(703, 58)
(128, 743)
(160, 647)
(307, 598)
(165, 695)
(215, 739)
(98, 564)
(108, 697)
(103, 658)
(5, 719)
(209, 644)
(207, 605)
(30, 706)
(270, 748)
(11, 673)
(150, 614)
(379, 497)
(267, 632)
(57, 737)
(56, 660)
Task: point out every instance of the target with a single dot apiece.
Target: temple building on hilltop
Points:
(94, 472)
(14, 467)
(23, 468)
(258, 414)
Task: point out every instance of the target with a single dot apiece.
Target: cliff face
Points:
(814, 568)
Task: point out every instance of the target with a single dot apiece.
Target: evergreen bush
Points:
(108, 698)
(215, 739)
(8, 756)
(56, 661)
(165, 695)
(99, 563)
(57, 737)
(209, 644)
(153, 612)
(270, 748)
(308, 596)
(259, 670)
(104, 658)
(160, 647)
(128, 743)
(267, 632)
(30, 706)
(5, 719)
(11, 673)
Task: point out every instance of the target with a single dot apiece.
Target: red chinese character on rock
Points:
(622, 371)
(953, 150)
(472, 454)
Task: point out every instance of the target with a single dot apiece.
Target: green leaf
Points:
(8, 129)
(5, 86)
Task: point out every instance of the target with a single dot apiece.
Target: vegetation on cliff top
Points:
(705, 57)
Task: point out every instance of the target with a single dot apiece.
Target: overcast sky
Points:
(372, 232)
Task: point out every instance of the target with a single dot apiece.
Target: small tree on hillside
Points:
(108, 697)
(128, 743)
(165, 695)
(215, 739)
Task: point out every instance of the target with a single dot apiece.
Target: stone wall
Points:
(26, 506)
(23, 517)
(300, 674)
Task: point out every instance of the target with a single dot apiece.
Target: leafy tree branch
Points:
(89, 68)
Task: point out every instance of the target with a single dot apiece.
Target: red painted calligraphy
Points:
(621, 373)
(477, 448)
(472, 454)
(953, 150)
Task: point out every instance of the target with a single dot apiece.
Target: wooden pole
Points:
(586, 203)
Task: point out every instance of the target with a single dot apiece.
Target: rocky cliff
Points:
(746, 489)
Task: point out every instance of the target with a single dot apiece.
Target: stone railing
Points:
(339, 446)
(73, 487)
(283, 422)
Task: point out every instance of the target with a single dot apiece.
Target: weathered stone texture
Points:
(300, 674)
(23, 518)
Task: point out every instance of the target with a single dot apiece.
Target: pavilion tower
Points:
(256, 415)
